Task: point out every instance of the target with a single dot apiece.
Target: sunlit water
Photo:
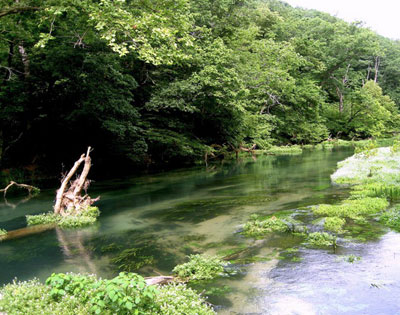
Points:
(149, 224)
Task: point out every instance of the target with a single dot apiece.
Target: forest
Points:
(155, 84)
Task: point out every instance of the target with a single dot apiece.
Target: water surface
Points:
(150, 223)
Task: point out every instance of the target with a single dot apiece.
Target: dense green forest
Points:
(154, 83)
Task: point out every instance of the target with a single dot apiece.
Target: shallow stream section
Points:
(149, 224)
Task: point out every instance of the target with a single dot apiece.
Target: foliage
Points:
(178, 299)
(352, 208)
(85, 294)
(3, 232)
(257, 227)
(321, 239)
(391, 218)
(200, 267)
(84, 217)
(284, 150)
(159, 83)
(334, 224)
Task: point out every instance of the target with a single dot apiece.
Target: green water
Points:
(149, 224)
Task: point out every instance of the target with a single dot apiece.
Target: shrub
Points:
(74, 294)
(200, 267)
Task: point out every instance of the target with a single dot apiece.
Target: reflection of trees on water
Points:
(74, 250)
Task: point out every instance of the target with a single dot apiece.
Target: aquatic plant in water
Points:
(201, 267)
(352, 208)
(257, 227)
(85, 217)
(3, 232)
(321, 239)
(334, 224)
(391, 218)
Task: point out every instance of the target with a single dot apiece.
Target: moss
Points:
(352, 208)
(256, 227)
(321, 239)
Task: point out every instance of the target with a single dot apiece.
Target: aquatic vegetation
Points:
(321, 239)
(383, 167)
(391, 218)
(132, 259)
(352, 258)
(84, 218)
(201, 267)
(352, 208)
(334, 224)
(284, 150)
(257, 227)
(128, 293)
(3, 232)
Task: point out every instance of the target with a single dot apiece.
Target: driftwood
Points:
(30, 230)
(12, 183)
(69, 199)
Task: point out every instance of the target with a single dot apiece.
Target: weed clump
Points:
(321, 239)
(352, 208)
(256, 227)
(391, 218)
(284, 150)
(85, 217)
(334, 224)
(201, 267)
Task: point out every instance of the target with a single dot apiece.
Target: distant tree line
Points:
(151, 83)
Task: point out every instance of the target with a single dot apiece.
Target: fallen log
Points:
(30, 230)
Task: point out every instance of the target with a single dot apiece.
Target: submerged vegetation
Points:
(257, 227)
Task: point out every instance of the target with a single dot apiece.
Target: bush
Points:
(74, 294)
(200, 267)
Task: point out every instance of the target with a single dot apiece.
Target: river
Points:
(151, 223)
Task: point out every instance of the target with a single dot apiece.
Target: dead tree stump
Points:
(69, 199)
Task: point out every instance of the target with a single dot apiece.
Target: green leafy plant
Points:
(3, 232)
(334, 224)
(321, 239)
(257, 227)
(201, 267)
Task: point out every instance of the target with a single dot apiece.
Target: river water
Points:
(151, 223)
